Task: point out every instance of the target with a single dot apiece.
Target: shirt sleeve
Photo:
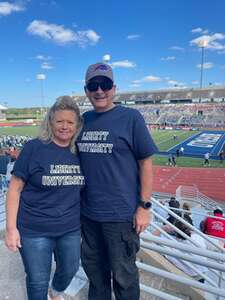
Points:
(144, 146)
(21, 166)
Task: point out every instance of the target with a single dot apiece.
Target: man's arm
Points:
(142, 217)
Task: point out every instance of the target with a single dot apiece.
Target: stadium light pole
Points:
(41, 78)
(202, 44)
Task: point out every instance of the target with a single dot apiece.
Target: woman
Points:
(43, 203)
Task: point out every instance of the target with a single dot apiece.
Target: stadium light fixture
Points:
(106, 58)
(41, 78)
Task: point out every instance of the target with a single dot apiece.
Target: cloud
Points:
(211, 41)
(176, 48)
(196, 30)
(199, 30)
(149, 78)
(46, 66)
(133, 37)
(176, 83)
(123, 64)
(168, 58)
(42, 57)
(135, 85)
(60, 35)
(206, 65)
(7, 8)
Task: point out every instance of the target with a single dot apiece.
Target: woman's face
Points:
(64, 127)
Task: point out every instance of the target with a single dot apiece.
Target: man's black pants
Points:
(108, 250)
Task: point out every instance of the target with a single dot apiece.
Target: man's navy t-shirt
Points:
(50, 200)
(110, 146)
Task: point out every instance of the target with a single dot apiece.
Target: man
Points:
(115, 148)
(206, 159)
(215, 226)
(173, 206)
(181, 150)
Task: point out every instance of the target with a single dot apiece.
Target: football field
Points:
(195, 143)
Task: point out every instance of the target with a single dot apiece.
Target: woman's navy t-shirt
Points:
(50, 200)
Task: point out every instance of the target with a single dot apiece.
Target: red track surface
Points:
(210, 182)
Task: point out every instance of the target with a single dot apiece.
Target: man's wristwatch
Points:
(145, 204)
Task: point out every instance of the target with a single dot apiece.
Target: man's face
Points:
(100, 90)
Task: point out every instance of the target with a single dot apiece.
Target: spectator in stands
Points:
(215, 226)
(206, 159)
(115, 149)
(186, 214)
(4, 160)
(174, 205)
(43, 203)
(9, 168)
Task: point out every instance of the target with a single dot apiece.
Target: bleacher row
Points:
(195, 115)
(186, 107)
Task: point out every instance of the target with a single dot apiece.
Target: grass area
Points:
(164, 138)
(160, 160)
(23, 130)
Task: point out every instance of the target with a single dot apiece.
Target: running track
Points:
(209, 181)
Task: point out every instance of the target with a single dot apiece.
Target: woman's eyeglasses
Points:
(105, 85)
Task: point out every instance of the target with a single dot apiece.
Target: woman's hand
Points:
(12, 239)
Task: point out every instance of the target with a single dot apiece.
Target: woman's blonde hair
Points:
(62, 103)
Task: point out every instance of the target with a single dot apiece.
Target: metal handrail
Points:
(186, 223)
(181, 279)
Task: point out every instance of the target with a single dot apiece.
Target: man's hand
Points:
(12, 240)
(142, 219)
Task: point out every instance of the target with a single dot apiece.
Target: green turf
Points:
(187, 162)
(164, 138)
(23, 130)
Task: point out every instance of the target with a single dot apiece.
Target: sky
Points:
(47, 45)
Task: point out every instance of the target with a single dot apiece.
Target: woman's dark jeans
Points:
(108, 250)
(37, 253)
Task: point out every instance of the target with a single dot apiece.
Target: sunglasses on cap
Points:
(106, 84)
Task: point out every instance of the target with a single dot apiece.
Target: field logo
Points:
(205, 140)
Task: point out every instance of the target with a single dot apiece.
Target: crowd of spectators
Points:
(16, 141)
(10, 147)
(197, 115)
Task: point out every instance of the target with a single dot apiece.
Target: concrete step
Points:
(12, 279)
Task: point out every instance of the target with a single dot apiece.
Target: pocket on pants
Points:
(132, 243)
